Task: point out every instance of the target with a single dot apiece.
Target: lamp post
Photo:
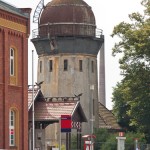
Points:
(92, 89)
(60, 133)
(91, 107)
(33, 140)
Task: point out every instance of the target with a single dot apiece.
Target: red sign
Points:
(121, 133)
(11, 131)
(66, 123)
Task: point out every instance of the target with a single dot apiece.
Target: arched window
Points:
(13, 66)
(12, 117)
(12, 62)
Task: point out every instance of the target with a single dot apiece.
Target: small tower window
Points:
(40, 66)
(50, 65)
(80, 66)
(92, 66)
(65, 65)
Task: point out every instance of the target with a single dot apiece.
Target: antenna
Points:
(37, 11)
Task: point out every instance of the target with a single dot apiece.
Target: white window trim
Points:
(12, 127)
(12, 62)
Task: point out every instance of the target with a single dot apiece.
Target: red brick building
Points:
(14, 33)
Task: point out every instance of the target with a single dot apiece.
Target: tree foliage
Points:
(101, 137)
(131, 96)
(107, 140)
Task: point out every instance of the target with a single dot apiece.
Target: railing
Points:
(47, 32)
(63, 99)
(99, 33)
(35, 33)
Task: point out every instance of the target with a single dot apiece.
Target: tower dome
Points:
(67, 18)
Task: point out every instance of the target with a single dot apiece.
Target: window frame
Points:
(12, 61)
(40, 66)
(12, 117)
(92, 66)
(65, 64)
(81, 65)
(50, 65)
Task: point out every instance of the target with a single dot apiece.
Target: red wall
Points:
(13, 95)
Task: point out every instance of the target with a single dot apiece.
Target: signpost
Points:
(66, 123)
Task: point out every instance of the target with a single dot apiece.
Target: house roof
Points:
(37, 95)
(12, 9)
(51, 111)
(89, 136)
(107, 119)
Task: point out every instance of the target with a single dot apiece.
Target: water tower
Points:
(67, 43)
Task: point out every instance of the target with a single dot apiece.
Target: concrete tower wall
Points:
(73, 81)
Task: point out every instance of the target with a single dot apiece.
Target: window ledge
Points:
(13, 147)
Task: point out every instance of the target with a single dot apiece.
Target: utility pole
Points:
(33, 140)
(92, 90)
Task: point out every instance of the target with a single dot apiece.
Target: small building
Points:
(107, 119)
(14, 33)
(47, 115)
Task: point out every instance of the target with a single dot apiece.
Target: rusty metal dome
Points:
(67, 18)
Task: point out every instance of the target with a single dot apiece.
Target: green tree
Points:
(121, 106)
(101, 137)
(111, 142)
(130, 140)
(131, 96)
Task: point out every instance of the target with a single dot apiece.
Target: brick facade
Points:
(14, 32)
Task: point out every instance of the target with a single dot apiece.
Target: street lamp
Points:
(92, 89)
(33, 123)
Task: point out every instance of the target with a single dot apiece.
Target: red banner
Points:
(66, 123)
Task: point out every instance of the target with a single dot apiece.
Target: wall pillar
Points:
(102, 76)
(121, 143)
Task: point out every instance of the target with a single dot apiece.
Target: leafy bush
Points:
(107, 141)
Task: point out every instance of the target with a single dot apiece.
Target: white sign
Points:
(88, 142)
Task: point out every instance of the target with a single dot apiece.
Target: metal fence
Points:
(113, 146)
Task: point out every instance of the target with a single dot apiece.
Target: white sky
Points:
(108, 13)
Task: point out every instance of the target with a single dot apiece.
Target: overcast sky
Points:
(108, 13)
